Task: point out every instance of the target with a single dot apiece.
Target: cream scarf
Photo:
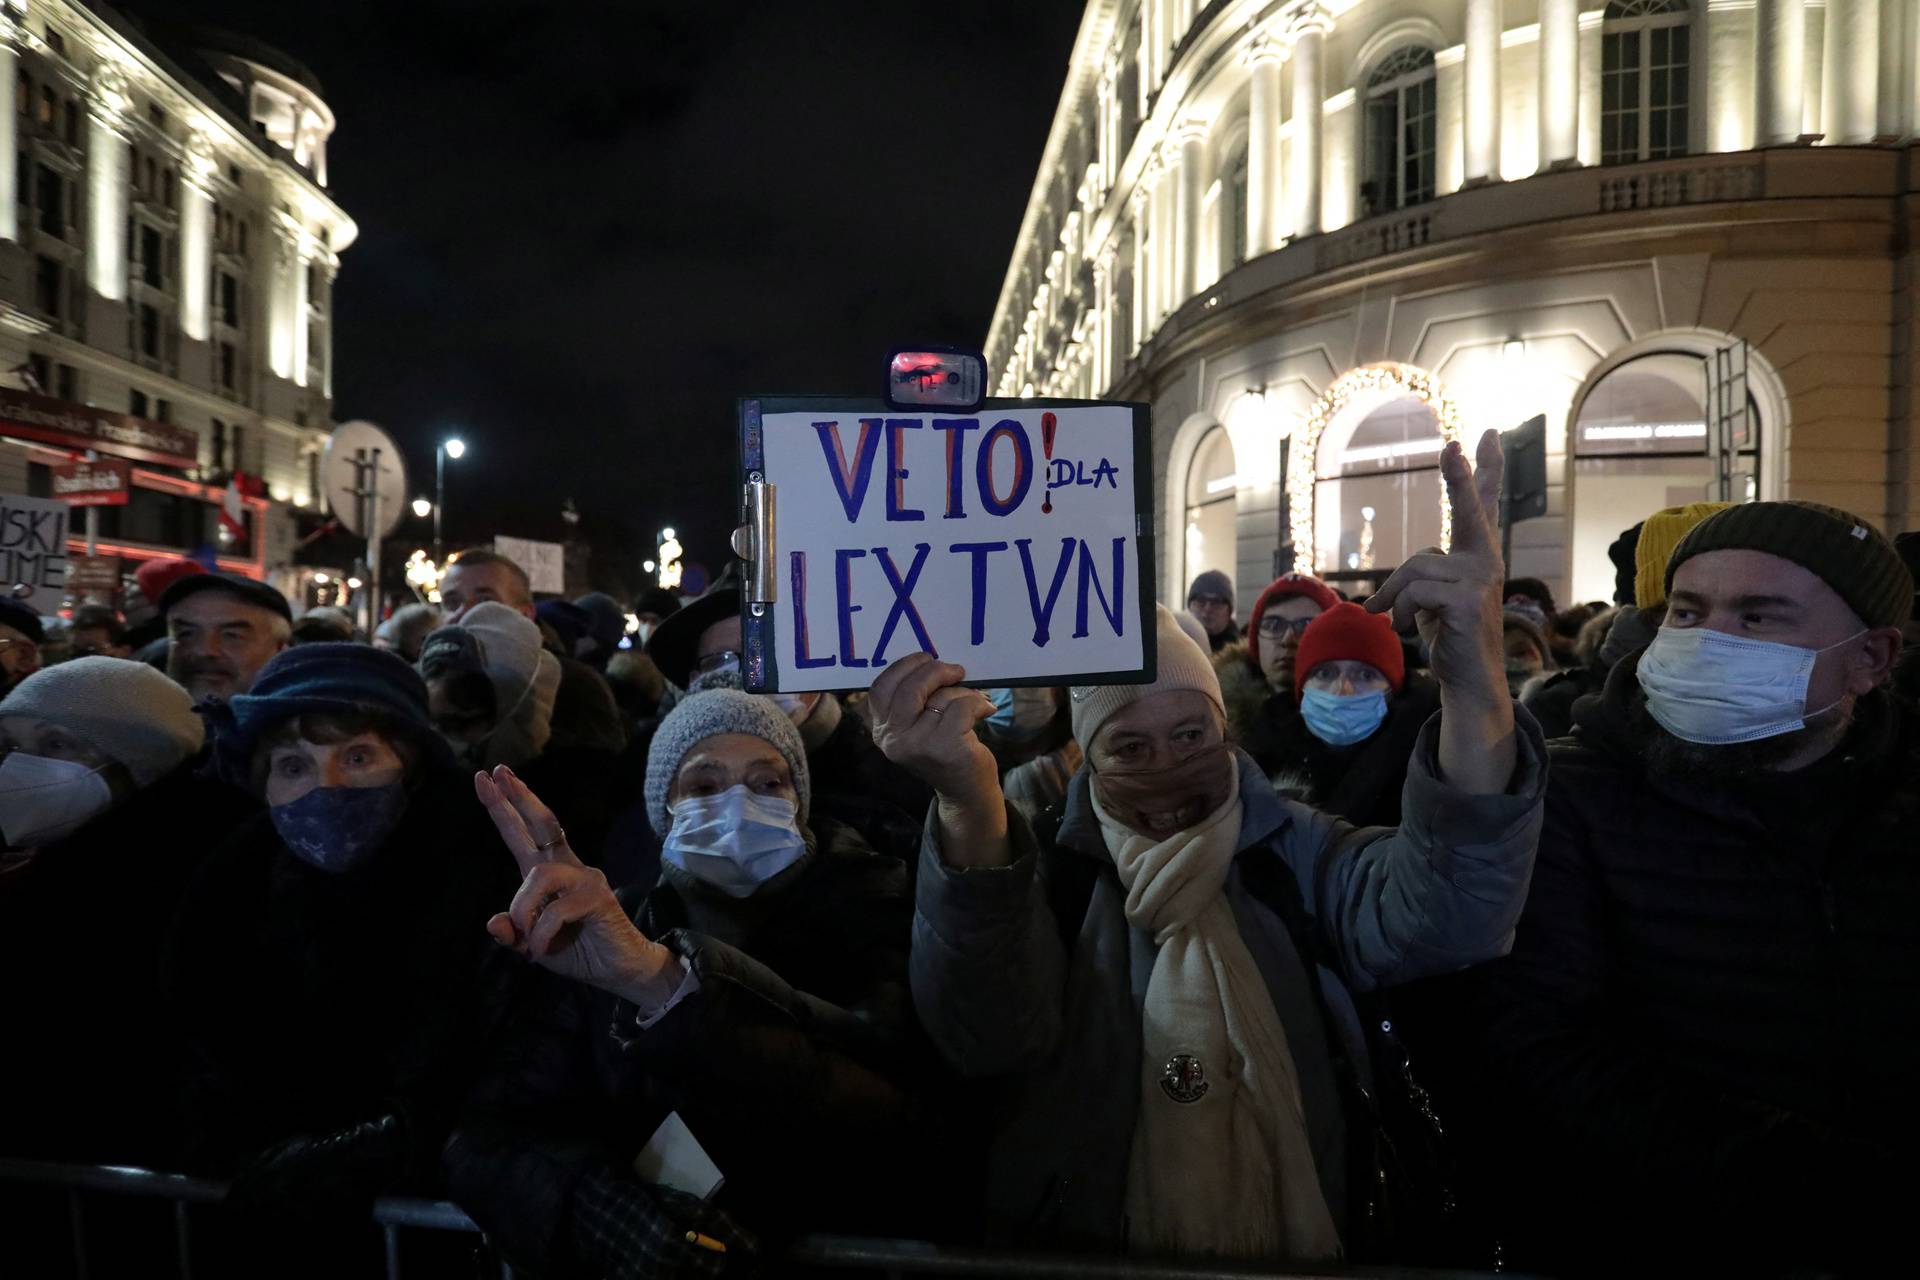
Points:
(1221, 1161)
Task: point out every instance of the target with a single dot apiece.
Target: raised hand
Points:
(565, 917)
(923, 722)
(1453, 597)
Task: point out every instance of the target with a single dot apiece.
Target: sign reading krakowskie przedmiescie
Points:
(1015, 540)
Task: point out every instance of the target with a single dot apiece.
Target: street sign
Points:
(365, 479)
(1014, 540)
(93, 575)
(545, 562)
(105, 483)
(33, 550)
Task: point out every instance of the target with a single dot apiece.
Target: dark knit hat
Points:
(335, 678)
(1212, 583)
(1844, 551)
(1348, 633)
(22, 617)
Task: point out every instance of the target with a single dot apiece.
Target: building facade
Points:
(1320, 237)
(168, 248)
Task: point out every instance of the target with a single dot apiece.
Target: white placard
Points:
(1006, 540)
(33, 550)
(545, 562)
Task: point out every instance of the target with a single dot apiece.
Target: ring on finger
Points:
(559, 839)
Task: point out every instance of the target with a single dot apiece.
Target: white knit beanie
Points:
(1182, 665)
(126, 710)
(700, 716)
(509, 650)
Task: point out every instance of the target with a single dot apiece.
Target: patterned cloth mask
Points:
(336, 829)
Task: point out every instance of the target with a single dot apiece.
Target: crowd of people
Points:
(1441, 927)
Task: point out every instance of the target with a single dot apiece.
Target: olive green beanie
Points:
(1844, 551)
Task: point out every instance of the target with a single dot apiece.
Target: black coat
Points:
(81, 931)
(797, 1064)
(311, 1001)
(855, 784)
(1704, 1045)
(1362, 782)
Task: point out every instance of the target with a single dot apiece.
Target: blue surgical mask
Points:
(1019, 714)
(1340, 720)
(734, 841)
(1707, 687)
(336, 829)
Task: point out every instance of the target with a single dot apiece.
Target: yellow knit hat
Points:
(1658, 537)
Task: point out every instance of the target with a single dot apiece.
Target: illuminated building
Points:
(168, 248)
(1313, 235)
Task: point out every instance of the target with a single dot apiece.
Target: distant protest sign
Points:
(545, 562)
(1014, 540)
(33, 550)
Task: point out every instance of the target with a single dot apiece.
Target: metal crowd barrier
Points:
(811, 1254)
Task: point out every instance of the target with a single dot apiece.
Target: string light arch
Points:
(1380, 384)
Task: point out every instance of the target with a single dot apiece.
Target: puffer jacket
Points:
(796, 1063)
(1703, 1049)
(1004, 995)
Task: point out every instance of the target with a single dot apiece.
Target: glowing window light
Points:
(1223, 484)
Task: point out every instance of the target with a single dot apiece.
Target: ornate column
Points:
(1481, 112)
(1263, 146)
(1849, 105)
(1896, 53)
(196, 238)
(1192, 140)
(1166, 186)
(1590, 86)
(106, 184)
(1559, 84)
(9, 176)
(1779, 58)
(1103, 132)
(1309, 102)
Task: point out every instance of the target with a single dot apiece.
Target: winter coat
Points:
(1361, 783)
(1006, 992)
(311, 1001)
(796, 1063)
(854, 783)
(1705, 1043)
(81, 928)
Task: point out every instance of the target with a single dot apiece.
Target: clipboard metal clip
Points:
(753, 543)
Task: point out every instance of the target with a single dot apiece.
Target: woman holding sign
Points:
(1167, 978)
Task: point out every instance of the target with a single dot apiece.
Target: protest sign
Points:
(105, 483)
(545, 562)
(33, 550)
(1014, 541)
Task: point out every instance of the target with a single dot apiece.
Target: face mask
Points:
(1192, 788)
(1340, 720)
(792, 705)
(735, 841)
(1707, 687)
(336, 829)
(1019, 714)
(43, 799)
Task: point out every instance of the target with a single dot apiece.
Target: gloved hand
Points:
(313, 1175)
(626, 1229)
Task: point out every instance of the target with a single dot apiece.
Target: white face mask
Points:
(792, 705)
(1708, 687)
(735, 841)
(43, 799)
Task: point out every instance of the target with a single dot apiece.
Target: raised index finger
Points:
(1473, 495)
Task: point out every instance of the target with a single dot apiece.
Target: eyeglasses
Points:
(1273, 626)
(1218, 602)
(715, 661)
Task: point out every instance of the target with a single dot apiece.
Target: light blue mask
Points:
(1342, 720)
(735, 841)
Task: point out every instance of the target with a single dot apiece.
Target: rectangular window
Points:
(229, 301)
(67, 383)
(1667, 101)
(137, 403)
(40, 370)
(313, 473)
(73, 124)
(56, 42)
(51, 189)
(1420, 116)
(23, 95)
(152, 257)
(228, 370)
(1620, 97)
(219, 445)
(49, 285)
(156, 115)
(239, 448)
(149, 330)
(47, 104)
(163, 411)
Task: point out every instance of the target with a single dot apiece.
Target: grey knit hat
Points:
(125, 709)
(700, 716)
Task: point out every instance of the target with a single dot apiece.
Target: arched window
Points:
(1211, 541)
(1645, 51)
(1643, 441)
(1401, 132)
(1233, 247)
(1377, 481)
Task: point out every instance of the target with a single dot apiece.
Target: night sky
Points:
(586, 228)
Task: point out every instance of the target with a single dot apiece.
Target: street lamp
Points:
(422, 508)
(452, 447)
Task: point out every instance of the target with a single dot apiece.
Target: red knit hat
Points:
(1292, 584)
(154, 576)
(1348, 633)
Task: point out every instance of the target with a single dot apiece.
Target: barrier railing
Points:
(393, 1214)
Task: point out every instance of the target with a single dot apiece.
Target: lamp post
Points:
(453, 447)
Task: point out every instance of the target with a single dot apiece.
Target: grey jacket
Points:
(1002, 996)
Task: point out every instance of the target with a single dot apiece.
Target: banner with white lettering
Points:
(1014, 540)
(33, 550)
